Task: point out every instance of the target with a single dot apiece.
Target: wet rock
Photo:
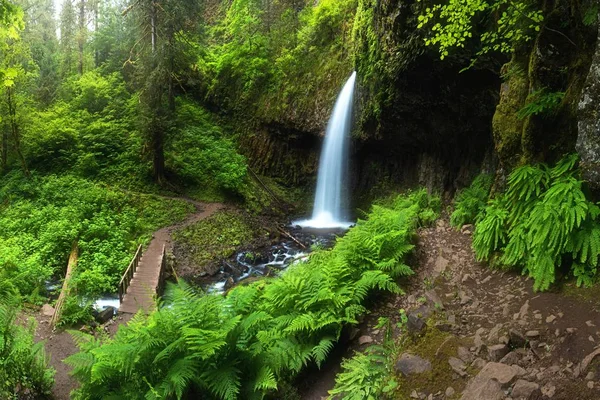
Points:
(365, 340)
(47, 310)
(106, 315)
(457, 366)
(409, 364)
(497, 352)
(516, 338)
(525, 390)
(588, 122)
(490, 382)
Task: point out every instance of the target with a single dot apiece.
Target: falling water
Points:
(328, 211)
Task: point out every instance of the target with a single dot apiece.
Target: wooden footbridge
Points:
(144, 279)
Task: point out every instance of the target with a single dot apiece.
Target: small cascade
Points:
(329, 209)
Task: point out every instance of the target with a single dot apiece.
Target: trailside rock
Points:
(525, 390)
(516, 338)
(409, 364)
(457, 366)
(106, 315)
(497, 351)
(490, 382)
(47, 310)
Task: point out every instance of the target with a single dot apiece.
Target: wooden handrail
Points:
(163, 267)
(128, 275)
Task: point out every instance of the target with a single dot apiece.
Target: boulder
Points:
(525, 390)
(415, 324)
(47, 310)
(516, 338)
(106, 315)
(409, 364)
(490, 382)
(497, 352)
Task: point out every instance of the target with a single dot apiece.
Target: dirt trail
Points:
(60, 345)
(475, 316)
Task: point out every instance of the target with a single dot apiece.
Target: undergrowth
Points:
(42, 217)
(542, 222)
(470, 202)
(24, 370)
(370, 374)
(245, 344)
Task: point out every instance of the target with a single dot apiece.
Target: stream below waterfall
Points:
(269, 260)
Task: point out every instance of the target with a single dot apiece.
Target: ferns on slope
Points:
(243, 344)
(543, 216)
(470, 202)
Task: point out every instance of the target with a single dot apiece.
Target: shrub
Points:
(243, 344)
(470, 202)
(542, 221)
(24, 371)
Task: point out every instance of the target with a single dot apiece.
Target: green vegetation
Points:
(453, 24)
(42, 217)
(470, 202)
(542, 222)
(24, 370)
(541, 102)
(370, 374)
(216, 237)
(245, 343)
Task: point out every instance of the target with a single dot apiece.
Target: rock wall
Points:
(588, 140)
(556, 62)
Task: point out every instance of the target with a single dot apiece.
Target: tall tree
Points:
(40, 34)
(67, 38)
(161, 60)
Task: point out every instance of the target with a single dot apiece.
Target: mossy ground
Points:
(218, 237)
(437, 347)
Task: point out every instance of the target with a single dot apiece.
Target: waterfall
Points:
(329, 207)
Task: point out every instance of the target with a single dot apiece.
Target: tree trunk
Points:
(4, 148)
(81, 36)
(96, 55)
(12, 111)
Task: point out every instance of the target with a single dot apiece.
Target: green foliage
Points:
(470, 202)
(453, 24)
(543, 217)
(243, 344)
(43, 216)
(201, 154)
(216, 237)
(368, 375)
(540, 102)
(24, 367)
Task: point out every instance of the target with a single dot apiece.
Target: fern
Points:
(244, 344)
(548, 217)
(469, 203)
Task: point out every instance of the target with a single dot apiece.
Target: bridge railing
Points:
(128, 275)
(160, 286)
